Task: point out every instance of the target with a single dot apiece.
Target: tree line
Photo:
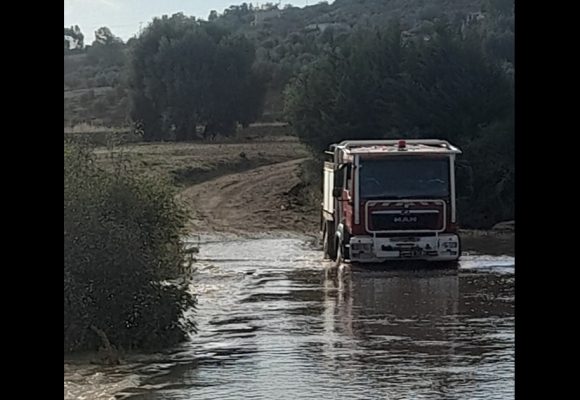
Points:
(382, 84)
(287, 39)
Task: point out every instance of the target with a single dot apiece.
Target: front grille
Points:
(407, 221)
(405, 235)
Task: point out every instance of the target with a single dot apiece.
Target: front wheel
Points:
(341, 252)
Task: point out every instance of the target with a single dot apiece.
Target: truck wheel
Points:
(325, 241)
(341, 252)
(328, 241)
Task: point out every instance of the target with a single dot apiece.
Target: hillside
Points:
(286, 40)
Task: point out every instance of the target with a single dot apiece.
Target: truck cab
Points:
(390, 200)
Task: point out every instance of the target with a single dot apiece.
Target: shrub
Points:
(122, 256)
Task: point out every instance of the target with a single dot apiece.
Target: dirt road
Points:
(256, 201)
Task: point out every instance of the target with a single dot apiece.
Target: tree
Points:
(187, 73)
(104, 37)
(73, 38)
(377, 85)
(107, 49)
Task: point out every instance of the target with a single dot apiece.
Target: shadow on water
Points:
(277, 322)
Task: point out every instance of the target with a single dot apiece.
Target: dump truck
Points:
(390, 200)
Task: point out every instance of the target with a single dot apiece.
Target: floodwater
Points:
(276, 322)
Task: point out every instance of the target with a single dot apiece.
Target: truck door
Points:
(347, 197)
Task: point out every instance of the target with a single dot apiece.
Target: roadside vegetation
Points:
(124, 258)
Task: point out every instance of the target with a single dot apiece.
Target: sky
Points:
(124, 17)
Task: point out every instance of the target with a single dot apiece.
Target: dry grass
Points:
(194, 162)
(89, 128)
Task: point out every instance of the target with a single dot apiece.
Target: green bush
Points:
(122, 256)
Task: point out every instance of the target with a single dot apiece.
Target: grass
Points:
(99, 135)
(88, 128)
(189, 163)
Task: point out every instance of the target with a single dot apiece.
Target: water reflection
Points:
(421, 334)
(384, 303)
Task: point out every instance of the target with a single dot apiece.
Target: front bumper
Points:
(442, 247)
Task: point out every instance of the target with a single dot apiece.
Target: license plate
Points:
(411, 253)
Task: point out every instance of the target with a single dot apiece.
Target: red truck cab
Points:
(390, 200)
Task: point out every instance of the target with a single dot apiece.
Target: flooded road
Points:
(276, 322)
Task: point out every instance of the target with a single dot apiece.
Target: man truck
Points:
(390, 200)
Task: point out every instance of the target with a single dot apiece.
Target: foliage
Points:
(288, 39)
(378, 84)
(122, 245)
(107, 49)
(187, 74)
(95, 83)
(73, 35)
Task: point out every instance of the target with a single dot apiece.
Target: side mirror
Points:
(337, 192)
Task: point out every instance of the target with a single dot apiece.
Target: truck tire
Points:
(328, 240)
(341, 252)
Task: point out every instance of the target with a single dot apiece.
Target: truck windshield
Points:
(404, 177)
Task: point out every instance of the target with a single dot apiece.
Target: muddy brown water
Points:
(276, 322)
